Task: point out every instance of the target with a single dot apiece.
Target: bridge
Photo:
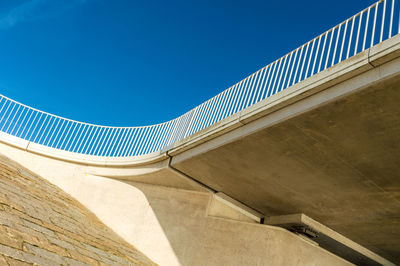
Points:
(295, 164)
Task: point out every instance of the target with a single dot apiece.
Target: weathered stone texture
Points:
(40, 224)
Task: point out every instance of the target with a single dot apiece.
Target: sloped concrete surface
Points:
(42, 225)
(174, 226)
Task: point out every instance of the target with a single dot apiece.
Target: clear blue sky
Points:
(128, 63)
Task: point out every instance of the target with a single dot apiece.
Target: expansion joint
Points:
(179, 172)
(27, 146)
(235, 204)
(369, 58)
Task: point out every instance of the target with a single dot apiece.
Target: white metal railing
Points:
(369, 27)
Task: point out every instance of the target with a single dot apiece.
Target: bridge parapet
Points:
(348, 40)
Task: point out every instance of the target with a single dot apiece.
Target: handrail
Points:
(365, 29)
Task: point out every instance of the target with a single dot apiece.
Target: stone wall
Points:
(40, 224)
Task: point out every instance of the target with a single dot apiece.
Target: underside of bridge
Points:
(337, 163)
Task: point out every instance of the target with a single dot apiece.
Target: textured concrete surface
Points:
(338, 164)
(174, 226)
(42, 225)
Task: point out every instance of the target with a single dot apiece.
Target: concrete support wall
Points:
(175, 226)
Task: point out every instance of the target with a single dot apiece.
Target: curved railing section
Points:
(367, 28)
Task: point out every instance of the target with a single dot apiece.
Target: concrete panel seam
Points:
(218, 194)
(187, 176)
(27, 146)
(369, 58)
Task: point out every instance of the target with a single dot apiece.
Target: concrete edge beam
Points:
(341, 89)
(81, 158)
(356, 65)
(347, 69)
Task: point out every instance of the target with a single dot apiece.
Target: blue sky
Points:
(131, 63)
